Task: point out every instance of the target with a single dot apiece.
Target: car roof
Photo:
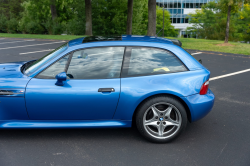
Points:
(133, 38)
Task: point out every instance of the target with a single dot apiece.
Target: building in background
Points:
(179, 9)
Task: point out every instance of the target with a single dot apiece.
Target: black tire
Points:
(146, 108)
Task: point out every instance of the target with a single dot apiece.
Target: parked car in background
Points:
(108, 81)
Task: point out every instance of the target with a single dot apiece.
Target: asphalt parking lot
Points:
(221, 138)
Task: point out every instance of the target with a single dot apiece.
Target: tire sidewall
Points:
(148, 103)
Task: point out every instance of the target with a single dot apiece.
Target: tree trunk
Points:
(228, 21)
(151, 18)
(88, 10)
(53, 9)
(129, 17)
(163, 19)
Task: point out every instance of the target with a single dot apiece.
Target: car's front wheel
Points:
(161, 119)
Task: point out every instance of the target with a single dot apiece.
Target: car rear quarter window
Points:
(150, 61)
(96, 63)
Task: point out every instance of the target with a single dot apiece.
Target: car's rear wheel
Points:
(161, 119)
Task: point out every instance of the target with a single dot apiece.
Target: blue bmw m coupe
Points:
(108, 81)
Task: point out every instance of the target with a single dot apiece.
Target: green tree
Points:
(38, 12)
(3, 23)
(210, 22)
(140, 17)
(9, 15)
(229, 7)
(11, 8)
(244, 22)
(168, 28)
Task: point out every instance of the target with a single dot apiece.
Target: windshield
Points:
(40, 62)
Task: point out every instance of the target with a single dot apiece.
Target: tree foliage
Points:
(168, 28)
(210, 22)
(109, 17)
(244, 22)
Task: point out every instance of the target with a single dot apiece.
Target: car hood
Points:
(12, 77)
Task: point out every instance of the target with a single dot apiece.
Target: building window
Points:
(175, 5)
(191, 5)
(186, 20)
(174, 20)
(179, 5)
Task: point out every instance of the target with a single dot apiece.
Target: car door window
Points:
(53, 70)
(149, 61)
(96, 63)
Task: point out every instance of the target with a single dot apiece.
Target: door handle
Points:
(106, 90)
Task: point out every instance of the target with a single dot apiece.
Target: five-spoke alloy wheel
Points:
(161, 119)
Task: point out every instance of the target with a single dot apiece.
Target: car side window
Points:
(53, 70)
(150, 61)
(96, 63)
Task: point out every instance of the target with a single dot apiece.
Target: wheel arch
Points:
(163, 94)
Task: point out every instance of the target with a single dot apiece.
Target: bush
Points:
(12, 25)
(31, 27)
(3, 23)
(58, 28)
(75, 27)
(54, 27)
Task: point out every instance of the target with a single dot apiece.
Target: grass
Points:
(31, 36)
(187, 43)
(210, 45)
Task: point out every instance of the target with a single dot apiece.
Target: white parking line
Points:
(231, 74)
(31, 45)
(17, 41)
(196, 53)
(36, 51)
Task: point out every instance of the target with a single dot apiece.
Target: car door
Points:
(90, 92)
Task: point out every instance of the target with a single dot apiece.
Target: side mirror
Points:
(60, 78)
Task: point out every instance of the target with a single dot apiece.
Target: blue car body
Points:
(29, 102)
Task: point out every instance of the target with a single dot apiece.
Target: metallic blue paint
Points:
(79, 104)
(128, 38)
(76, 100)
(63, 124)
(146, 38)
(75, 41)
(199, 105)
(61, 77)
(136, 89)
(11, 76)
(12, 108)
